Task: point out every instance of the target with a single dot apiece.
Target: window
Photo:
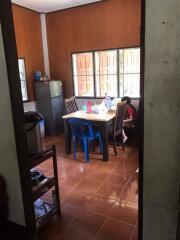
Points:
(116, 72)
(129, 72)
(106, 73)
(22, 74)
(83, 74)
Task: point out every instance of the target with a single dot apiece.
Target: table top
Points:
(104, 117)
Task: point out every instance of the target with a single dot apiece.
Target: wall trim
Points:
(45, 44)
(28, 9)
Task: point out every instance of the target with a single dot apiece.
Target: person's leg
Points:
(124, 136)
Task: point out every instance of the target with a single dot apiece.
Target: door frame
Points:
(141, 122)
(11, 57)
(6, 19)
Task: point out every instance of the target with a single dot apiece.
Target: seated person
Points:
(129, 118)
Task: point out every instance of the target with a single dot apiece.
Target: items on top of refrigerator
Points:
(39, 76)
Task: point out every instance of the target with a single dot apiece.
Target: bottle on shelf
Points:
(89, 106)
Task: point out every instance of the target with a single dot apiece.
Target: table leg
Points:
(67, 137)
(104, 134)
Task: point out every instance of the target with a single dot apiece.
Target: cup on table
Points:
(84, 108)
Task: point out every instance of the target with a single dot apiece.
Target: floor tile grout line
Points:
(106, 179)
(96, 163)
(122, 191)
(69, 226)
(117, 220)
(93, 194)
(78, 206)
(128, 181)
(76, 215)
(112, 218)
(74, 218)
(78, 181)
(137, 222)
(118, 198)
(103, 223)
(98, 188)
(100, 228)
(74, 185)
(134, 229)
(108, 215)
(103, 182)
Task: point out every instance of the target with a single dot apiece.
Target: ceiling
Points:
(45, 6)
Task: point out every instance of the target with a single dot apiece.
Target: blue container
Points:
(37, 75)
(42, 128)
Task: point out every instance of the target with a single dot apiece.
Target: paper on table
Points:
(100, 108)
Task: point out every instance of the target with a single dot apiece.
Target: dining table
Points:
(100, 120)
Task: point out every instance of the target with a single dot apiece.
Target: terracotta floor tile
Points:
(135, 234)
(51, 235)
(124, 171)
(64, 192)
(117, 179)
(105, 166)
(130, 193)
(81, 170)
(98, 199)
(88, 186)
(115, 230)
(64, 165)
(77, 199)
(87, 224)
(99, 175)
(99, 205)
(109, 190)
(70, 181)
(51, 231)
(68, 213)
(69, 209)
(125, 212)
(65, 219)
(69, 234)
(61, 175)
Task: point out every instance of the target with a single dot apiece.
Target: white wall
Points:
(8, 156)
(29, 106)
(162, 120)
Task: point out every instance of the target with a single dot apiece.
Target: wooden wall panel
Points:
(29, 42)
(103, 25)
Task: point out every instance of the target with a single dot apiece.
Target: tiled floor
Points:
(99, 200)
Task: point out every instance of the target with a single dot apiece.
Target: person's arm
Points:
(128, 119)
(130, 115)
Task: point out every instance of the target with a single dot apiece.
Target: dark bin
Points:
(33, 133)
